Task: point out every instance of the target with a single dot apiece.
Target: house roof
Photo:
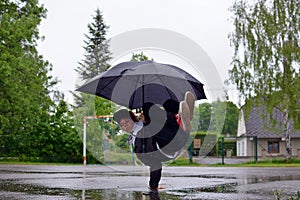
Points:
(258, 124)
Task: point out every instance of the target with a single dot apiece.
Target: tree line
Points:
(35, 121)
(37, 124)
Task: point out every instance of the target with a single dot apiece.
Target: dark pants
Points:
(155, 175)
(160, 129)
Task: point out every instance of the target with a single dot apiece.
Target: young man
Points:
(160, 135)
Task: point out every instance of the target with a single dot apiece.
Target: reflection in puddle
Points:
(223, 188)
(26, 191)
(267, 179)
(116, 195)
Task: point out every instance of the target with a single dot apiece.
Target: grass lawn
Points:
(264, 163)
(280, 162)
(8, 162)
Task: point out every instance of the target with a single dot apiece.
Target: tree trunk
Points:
(287, 77)
(287, 131)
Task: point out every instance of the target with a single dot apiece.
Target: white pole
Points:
(84, 132)
(84, 141)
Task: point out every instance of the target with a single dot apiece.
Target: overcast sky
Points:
(206, 22)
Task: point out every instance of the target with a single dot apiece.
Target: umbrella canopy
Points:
(132, 84)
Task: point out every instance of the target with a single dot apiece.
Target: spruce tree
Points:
(96, 60)
(96, 48)
(96, 56)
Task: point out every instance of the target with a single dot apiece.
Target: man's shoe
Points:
(190, 100)
(184, 114)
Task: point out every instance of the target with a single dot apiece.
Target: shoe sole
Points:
(190, 100)
(184, 113)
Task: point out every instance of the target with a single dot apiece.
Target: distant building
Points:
(270, 140)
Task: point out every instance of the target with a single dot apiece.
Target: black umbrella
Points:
(132, 84)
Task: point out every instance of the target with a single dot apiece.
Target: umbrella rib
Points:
(109, 83)
(136, 85)
(168, 91)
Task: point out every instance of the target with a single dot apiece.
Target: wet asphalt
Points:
(130, 182)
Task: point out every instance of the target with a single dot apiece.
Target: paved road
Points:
(129, 182)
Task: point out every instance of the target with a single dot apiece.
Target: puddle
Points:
(267, 179)
(11, 190)
(219, 189)
(14, 190)
(11, 186)
(105, 184)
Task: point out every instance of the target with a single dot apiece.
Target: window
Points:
(273, 147)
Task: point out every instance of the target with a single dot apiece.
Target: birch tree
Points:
(265, 64)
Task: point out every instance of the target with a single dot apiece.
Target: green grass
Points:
(281, 162)
(257, 165)
(275, 162)
(10, 162)
(110, 157)
(182, 162)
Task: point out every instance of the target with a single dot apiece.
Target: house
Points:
(270, 139)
